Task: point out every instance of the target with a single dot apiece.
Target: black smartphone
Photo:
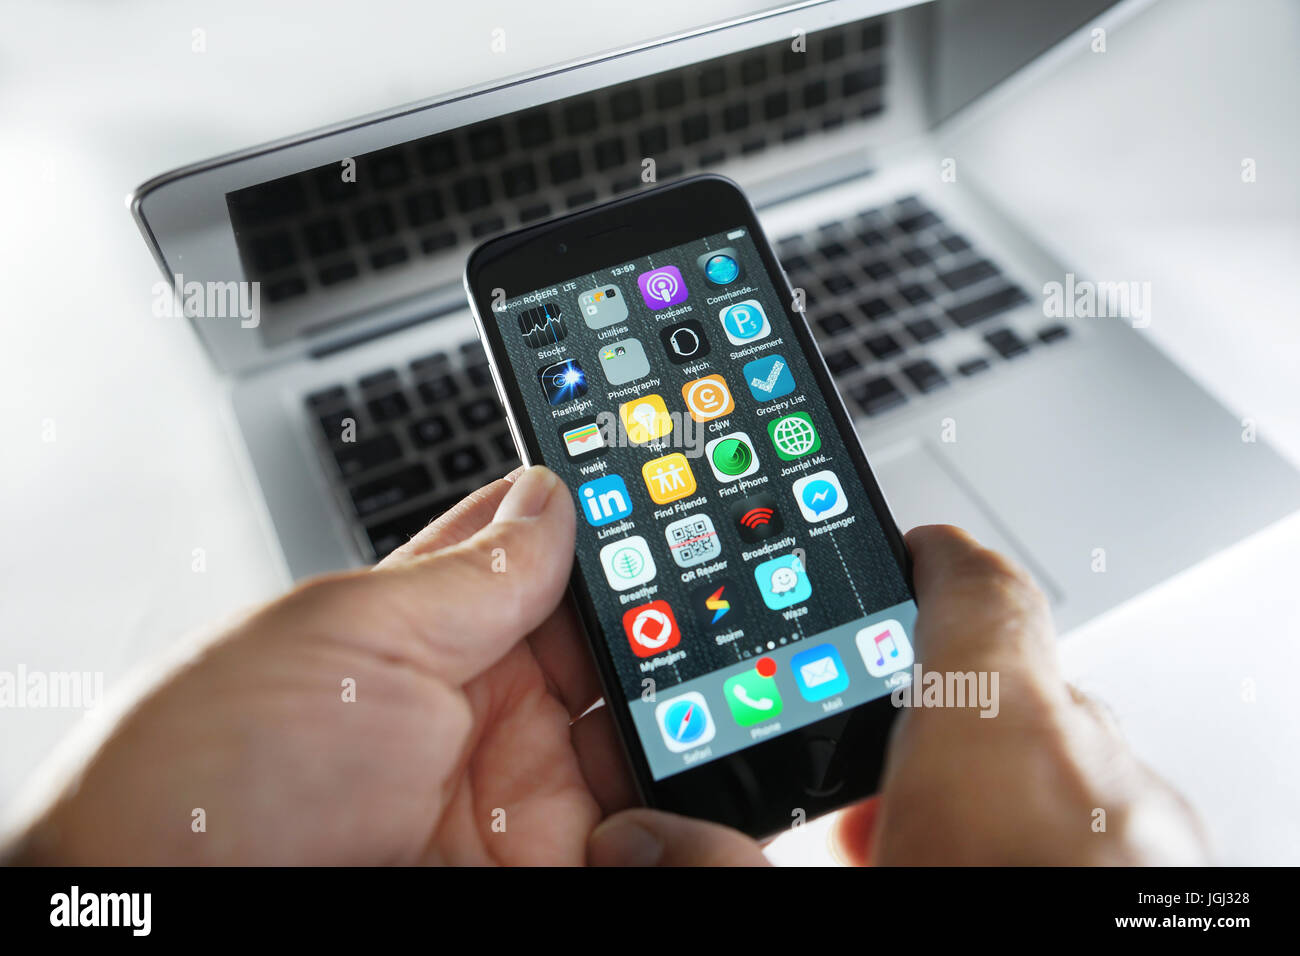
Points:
(746, 593)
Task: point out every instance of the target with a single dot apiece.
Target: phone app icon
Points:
(731, 457)
(604, 500)
(542, 325)
(668, 478)
(708, 398)
(819, 672)
(745, 322)
(721, 266)
(563, 381)
(645, 419)
(783, 582)
(820, 496)
(712, 604)
(752, 695)
(684, 342)
(662, 287)
(884, 648)
(685, 722)
(794, 436)
(651, 629)
(583, 439)
(602, 306)
(769, 377)
(756, 518)
(624, 361)
(693, 540)
(627, 563)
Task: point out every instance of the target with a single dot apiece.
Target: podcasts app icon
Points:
(662, 287)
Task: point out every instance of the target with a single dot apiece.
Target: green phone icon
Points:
(752, 695)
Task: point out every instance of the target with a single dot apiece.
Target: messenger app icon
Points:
(820, 496)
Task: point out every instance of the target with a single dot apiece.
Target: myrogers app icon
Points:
(662, 287)
(651, 629)
(745, 322)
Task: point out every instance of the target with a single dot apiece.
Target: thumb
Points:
(468, 604)
(653, 838)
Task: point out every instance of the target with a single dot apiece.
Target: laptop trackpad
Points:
(921, 490)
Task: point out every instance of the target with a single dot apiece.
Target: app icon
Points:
(721, 266)
(819, 672)
(624, 361)
(884, 648)
(685, 722)
(582, 439)
(783, 582)
(731, 457)
(662, 287)
(651, 628)
(712, 604)
(645, 419)
(563, 381)
(627, 563)
(769, 377)
(542, 325)
(756, 518)
(604, 500)
(602, 306)
(708, 398)
(820, 496)
(752, 695)
(668, 478)
(745, 322)
(684, 342)
(794, 436)
(693, 540)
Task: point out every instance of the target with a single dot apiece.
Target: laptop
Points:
(322, 274)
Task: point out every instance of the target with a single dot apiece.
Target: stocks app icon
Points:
(542, 325)
(756, 518)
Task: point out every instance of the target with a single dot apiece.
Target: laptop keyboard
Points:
(402, 445)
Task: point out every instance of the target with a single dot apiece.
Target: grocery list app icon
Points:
(651, 628)
(819, 672)
(624, 361)
(693, 540)
(783, 582)
(884, 648)
(627, 563)
(820, 496)
(708, 398)
(542, 325)
(582, 439)
(668, 478)
(769, 378)
(685, 722)
(662, 287)
(752, 695)
(645, 419)
(563, 381)
(794, 436)
(604, 500)
(602, 307)
(731, 457)
(745, 322)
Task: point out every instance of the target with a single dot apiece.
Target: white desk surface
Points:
(100, 524)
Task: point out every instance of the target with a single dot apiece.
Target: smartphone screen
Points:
(739, 571)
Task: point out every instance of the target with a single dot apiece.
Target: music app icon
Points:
(884, 648)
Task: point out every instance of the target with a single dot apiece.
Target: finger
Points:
(854, 831)
(601, 759)
(468, 604)
(652, 838)
(457, 523)
(562, 653)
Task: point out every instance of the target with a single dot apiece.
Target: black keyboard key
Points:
(472, 193)
(430, 431)
(374, 222)
(355, 457)
(918, 222)
(973, 366)
(434, 363)
(882, 346)
(968, 275)
(534, 129)
(333, 424)
(505, 446)
(338, 272)
(837, 283)
(876, 309)
(916, 256)
(877, 270)
(954, 243)
(438, 389)
(443, 239)
(1006, 343)
(841, 363)
(872, 237)
(520, 180)
(834, 324)
(565, 166)
(327, 396)
(388, 536)
(480, 413)
(924, 330)
(915, 294)
(968, 313)
(391, 490)
(324, 237)
(462, 463)
(925, 375)
(833, 250)
(1052, 333)
(877, 395)
(388, 257)
(486, 142)
(384, 377)
(387, 407)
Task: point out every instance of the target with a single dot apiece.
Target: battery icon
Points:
(736, 234)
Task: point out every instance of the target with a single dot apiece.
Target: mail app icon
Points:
(819, 672)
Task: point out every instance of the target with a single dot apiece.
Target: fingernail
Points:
(624, 843)
(528, 495)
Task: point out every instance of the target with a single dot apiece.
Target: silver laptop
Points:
(364, 399)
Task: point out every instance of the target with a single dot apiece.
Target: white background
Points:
(99, 525)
